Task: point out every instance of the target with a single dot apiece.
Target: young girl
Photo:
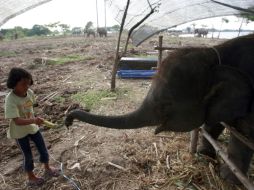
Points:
(23, 126)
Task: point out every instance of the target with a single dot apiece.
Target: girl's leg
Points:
(25, 148)
(44, 156)
(40, 145)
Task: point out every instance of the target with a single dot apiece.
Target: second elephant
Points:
(102, 32)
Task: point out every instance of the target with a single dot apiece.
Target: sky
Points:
(77, 13)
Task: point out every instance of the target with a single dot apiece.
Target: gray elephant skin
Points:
(196, 86)
(201, 32)
(102, 32)
(89, 32)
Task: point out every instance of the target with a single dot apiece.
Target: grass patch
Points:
(91, 99)
(7, 54)
(69, 58)
(59, 99)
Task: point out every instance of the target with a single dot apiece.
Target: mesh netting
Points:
(12, 8)
(170, 13)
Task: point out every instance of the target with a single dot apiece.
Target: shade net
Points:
(12, 8)
(167, 14)
(171, 13)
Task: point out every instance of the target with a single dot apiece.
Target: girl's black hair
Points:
(16, 75)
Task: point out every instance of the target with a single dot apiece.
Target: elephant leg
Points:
(205, 147)
(238, 153)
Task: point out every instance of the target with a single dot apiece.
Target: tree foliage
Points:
(89, 25)
(116, 27)
(38, 30)
(55, 28)
(65, 28)
(249, 17)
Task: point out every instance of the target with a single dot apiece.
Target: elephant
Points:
(202, 32)
(89, 32)
(196, 86)
(102, 32)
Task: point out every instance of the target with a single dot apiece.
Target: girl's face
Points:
(22, 87)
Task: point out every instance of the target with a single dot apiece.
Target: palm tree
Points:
(222, 21)
(239, 30)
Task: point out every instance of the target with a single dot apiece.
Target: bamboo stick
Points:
(238, 135)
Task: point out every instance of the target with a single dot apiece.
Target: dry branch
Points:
(117, 166)
(66, 78)
(117, 58)
(48, 96)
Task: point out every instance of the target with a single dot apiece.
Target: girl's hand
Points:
(38, 120)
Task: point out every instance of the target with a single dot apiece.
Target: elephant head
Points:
(189, 89)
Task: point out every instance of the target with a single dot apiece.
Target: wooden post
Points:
(160, 52)
(194, 140)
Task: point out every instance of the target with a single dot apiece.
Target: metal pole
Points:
(160, 52)
(105, 11)
(97, 14)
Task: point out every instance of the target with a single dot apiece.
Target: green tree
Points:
(53, 25)
(89, 25)
(65, 28)
(116, 27)
(38, 30)
(21, 32)
(248, 16)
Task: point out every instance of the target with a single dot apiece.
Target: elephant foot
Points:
(228, 175)
(207, 151)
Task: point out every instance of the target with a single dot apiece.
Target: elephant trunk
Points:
(144, 116)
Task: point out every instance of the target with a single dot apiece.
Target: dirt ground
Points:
(91, 157)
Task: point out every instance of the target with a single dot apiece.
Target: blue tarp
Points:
(136, 73)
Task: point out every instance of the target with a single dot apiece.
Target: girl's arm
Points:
(22, 121)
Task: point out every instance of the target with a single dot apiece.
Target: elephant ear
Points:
(229, 95)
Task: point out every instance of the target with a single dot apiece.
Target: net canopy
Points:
(12, 8)
(166, 13)
(171, 13)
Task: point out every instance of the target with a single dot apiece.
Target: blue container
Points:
(144, 74)
(137, 63)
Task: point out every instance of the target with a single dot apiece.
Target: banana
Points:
(49, 124)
